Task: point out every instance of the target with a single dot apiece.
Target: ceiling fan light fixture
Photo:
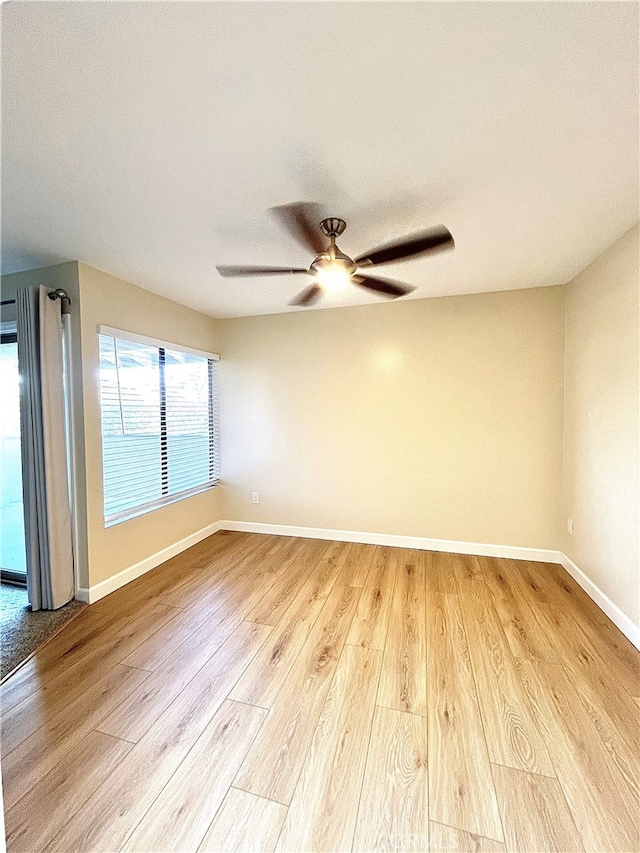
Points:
(333, 279)
(333, 270)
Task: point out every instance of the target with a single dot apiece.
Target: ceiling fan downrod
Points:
(332, 265)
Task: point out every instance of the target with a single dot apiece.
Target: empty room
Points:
(320, 427)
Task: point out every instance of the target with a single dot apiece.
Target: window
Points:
(159, 423)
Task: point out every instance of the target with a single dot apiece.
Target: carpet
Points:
(22, 631)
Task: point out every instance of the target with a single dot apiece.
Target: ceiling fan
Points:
(330, 267)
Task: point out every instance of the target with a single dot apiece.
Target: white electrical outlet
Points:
(570, 526)
(255, 497)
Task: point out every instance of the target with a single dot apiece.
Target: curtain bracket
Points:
(60, 294)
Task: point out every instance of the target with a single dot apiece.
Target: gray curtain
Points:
(47, 517)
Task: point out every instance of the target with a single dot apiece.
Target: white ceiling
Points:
(148, 139)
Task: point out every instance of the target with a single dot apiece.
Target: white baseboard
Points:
(420, 543)
(98, 591)
(540, 555)
(620, 619)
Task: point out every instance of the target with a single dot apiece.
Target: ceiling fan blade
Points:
(417, 244)
(309, 296)
(232, 272)
(384, 286)
(302, 221)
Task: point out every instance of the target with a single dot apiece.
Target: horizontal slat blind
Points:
(159, 425)
(188, 423)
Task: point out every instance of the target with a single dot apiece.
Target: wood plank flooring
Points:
(263, 693)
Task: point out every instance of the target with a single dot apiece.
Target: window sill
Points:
(136, 512)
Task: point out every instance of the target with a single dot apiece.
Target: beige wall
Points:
(106, 300)
(439, 417)
(601, 471)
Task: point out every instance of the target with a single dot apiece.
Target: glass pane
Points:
(12, 548)
(187, 383)
(130, 401)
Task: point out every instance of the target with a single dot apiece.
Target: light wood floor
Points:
(263, 693)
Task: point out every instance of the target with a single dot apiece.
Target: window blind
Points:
(159, 423)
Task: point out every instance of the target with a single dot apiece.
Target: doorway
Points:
(13, 561)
